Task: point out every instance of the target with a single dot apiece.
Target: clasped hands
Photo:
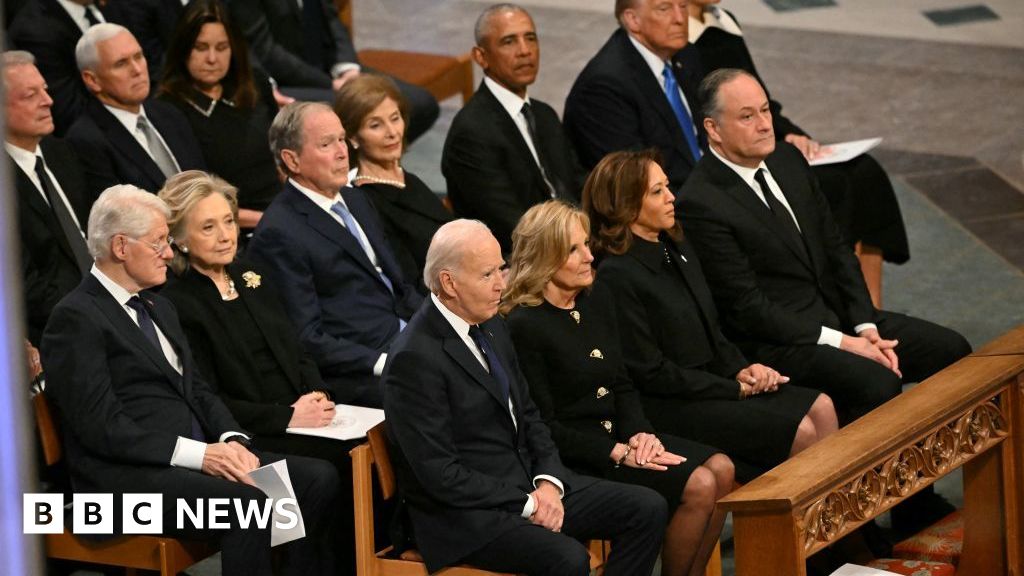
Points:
(757, 379)
(312, 410)
(231, 461)
(872, 346)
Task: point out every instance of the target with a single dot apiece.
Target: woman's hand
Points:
(312, 410)
(758, 378)
(658, 458)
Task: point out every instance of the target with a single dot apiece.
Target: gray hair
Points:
(483, 22)
(710, 88)
(447, 248)
(87, 56)
(286, 131)
(122, 209)
(12, 58)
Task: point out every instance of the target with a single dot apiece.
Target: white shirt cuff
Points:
(531, 505)
(231, 433)
(342, 67)
(830, 337)
(188, 453)
(378, 368)
(865, 326)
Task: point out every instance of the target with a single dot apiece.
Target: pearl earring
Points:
(184, 249)
(355, 145)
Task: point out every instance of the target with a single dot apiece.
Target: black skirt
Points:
(669, 483)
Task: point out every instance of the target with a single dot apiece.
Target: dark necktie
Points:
(552, 181)
(675, 100)
(72, 233)
(493, 361)
(149, 329)
(782, 216)
(90, 16)
(157, 150)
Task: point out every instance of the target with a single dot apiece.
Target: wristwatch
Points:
(240, 439)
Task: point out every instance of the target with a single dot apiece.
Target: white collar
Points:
(714, 17)
(461, 326)
(508, 99)
(747, 174)
(317, 198)
(23, 158)
(116, 290)
(655, 62)
(129, 120)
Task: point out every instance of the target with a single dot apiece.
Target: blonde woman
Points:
(568, 345)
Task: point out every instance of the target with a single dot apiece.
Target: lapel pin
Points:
(575, 316)
(252, 279)
(595, 353)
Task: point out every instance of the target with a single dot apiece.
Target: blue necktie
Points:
(149, 329)
(493, 362)
(675, 100)
(340, 209)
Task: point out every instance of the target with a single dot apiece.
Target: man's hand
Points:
(312, 410)
(345, 77)
(760, 378)
(888, 347)
(861, 346)
(809, 148)
(230, 461)
(35, 366)
(280, 99)
(548, 511)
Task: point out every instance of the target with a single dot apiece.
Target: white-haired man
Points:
(138, 418)
(483, 478)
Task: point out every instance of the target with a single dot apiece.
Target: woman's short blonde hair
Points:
(540, 246)
(181, 193)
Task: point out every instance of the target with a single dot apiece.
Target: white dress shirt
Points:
(513, 104)
(27, 162)
(130, 121)
(461, 328)
(77, 13)
(325, 204)
(657, 66)
(828, 336)
(188, 453)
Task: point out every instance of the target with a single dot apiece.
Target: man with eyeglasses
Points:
(137, 416)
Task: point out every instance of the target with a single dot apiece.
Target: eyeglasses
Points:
(157, 247)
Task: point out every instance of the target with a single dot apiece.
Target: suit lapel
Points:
(328, 227)
(256, 311)
(124, 142)
(32, 197)
(506, 125)
(804, 214)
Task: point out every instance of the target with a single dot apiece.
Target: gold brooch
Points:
(575, 316)
(252, 279)
(607, 425)
(602, 392)
(595, 353)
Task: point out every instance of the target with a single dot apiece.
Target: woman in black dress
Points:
(229, 107)
(567, 340)
(859, 192)
(240, 334)
(375, 115)
(693, 382)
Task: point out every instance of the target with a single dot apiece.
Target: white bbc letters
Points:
(142, 513)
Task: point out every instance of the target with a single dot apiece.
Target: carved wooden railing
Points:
(969, 415)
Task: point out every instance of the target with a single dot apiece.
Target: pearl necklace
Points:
(368, 178)
(231, 287)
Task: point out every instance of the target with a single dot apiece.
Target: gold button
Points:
(602, 392)
(607, 425)
(595, 353)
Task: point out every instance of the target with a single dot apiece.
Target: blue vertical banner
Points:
(19, 553)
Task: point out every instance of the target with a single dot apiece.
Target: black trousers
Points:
(246, 551)
(858, 385)
(632, 517)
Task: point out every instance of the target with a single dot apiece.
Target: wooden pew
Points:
(969, 415)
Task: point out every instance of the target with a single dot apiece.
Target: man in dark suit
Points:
(482, 477)
(639, 91)
(329, 258)
(303, 46)
(138, 417)
(52, 202)
(123, 138)
(506, 151)
(49, 30)
(788, 286)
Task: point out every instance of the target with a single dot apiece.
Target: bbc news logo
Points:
(144, 513)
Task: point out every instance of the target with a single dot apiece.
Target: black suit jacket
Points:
(465, 468)
(49, 270)
(769, 288)
(260, 403)
(616, 104)
(671, 338)
(153, 22)
(45, 29)
(490, 171)
(345, 314)
(111, 155)
(122, 406)
(278, 42)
